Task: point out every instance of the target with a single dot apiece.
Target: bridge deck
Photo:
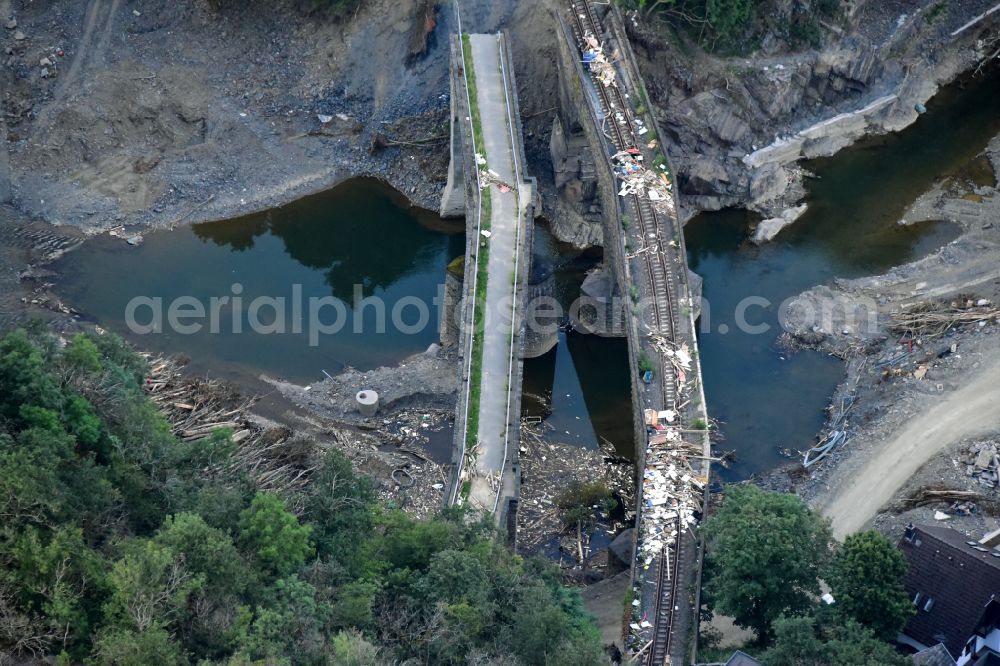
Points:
(493, 349)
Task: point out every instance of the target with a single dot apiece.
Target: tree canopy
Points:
(765, 554)
(866, 579)
(119, 545)
(804, 641)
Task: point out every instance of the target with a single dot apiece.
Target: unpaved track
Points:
(971, 410)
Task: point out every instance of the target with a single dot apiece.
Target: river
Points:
(363, 240)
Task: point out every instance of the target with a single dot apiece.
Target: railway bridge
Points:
(644, 249)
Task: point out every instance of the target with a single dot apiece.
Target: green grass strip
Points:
(482, 263)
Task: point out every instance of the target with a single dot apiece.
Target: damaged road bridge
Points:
(488, 185)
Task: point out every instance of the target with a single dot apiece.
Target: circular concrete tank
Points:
(367, 402)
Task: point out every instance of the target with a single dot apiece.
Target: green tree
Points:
(866, 579)
(58, 579)
(351, 649)
(765, 552)
(206, 552)
(728, 17)
(289, 623)
(216, 611)
(339, 505)
(24, 380)
(123, 647)
(273, 534)
(81, 357)
(798, 642)
(149, 587)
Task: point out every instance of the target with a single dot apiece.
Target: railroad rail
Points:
(618, 116)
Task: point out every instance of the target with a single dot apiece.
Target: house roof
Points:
(958, 574)
(934, 656)
(988, 658)
(742, 659)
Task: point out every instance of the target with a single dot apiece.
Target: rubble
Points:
(282, 459)
(645, 183)
(548, 468)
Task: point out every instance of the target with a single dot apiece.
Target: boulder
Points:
(768, 182)
(705, 176)
(621, 547)
(769, 228)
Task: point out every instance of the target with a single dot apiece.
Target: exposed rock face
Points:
(771, 227)
(579, 221)
(735, 126)
(696, 284)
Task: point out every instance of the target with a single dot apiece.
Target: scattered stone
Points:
(11, 24)
(19, 36)
(45, 72)
(45, 62)
(134, 240)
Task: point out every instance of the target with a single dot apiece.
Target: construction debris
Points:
(983, 464)
(489, 177)
(548, 468)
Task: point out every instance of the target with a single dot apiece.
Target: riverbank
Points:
(738, 125)
(909, 409)
(174, 113)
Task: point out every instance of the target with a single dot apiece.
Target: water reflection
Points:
(346, 238)
(361, 232)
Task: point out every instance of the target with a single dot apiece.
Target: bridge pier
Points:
(454, 196)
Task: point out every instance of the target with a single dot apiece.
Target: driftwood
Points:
(196, 408)
(933, 495)
(930, 319)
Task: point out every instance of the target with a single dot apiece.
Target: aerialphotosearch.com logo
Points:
(320, 316)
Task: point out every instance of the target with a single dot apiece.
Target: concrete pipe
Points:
(367, 402)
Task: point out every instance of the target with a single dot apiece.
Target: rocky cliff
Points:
(736, 126)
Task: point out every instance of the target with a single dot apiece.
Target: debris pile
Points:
(962, 502)
(600, 66)
(931, 319)
(281, 460)
(422, 383)
(548, 468)
(983, 463)
(642, 182)
(489, 177)
(672, 496)
(196, 407)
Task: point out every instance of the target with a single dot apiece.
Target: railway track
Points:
(666, 588)
(618, 117)
(623, 136)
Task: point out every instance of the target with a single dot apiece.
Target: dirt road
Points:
(968, 411)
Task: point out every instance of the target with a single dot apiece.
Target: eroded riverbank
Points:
(770, 400)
